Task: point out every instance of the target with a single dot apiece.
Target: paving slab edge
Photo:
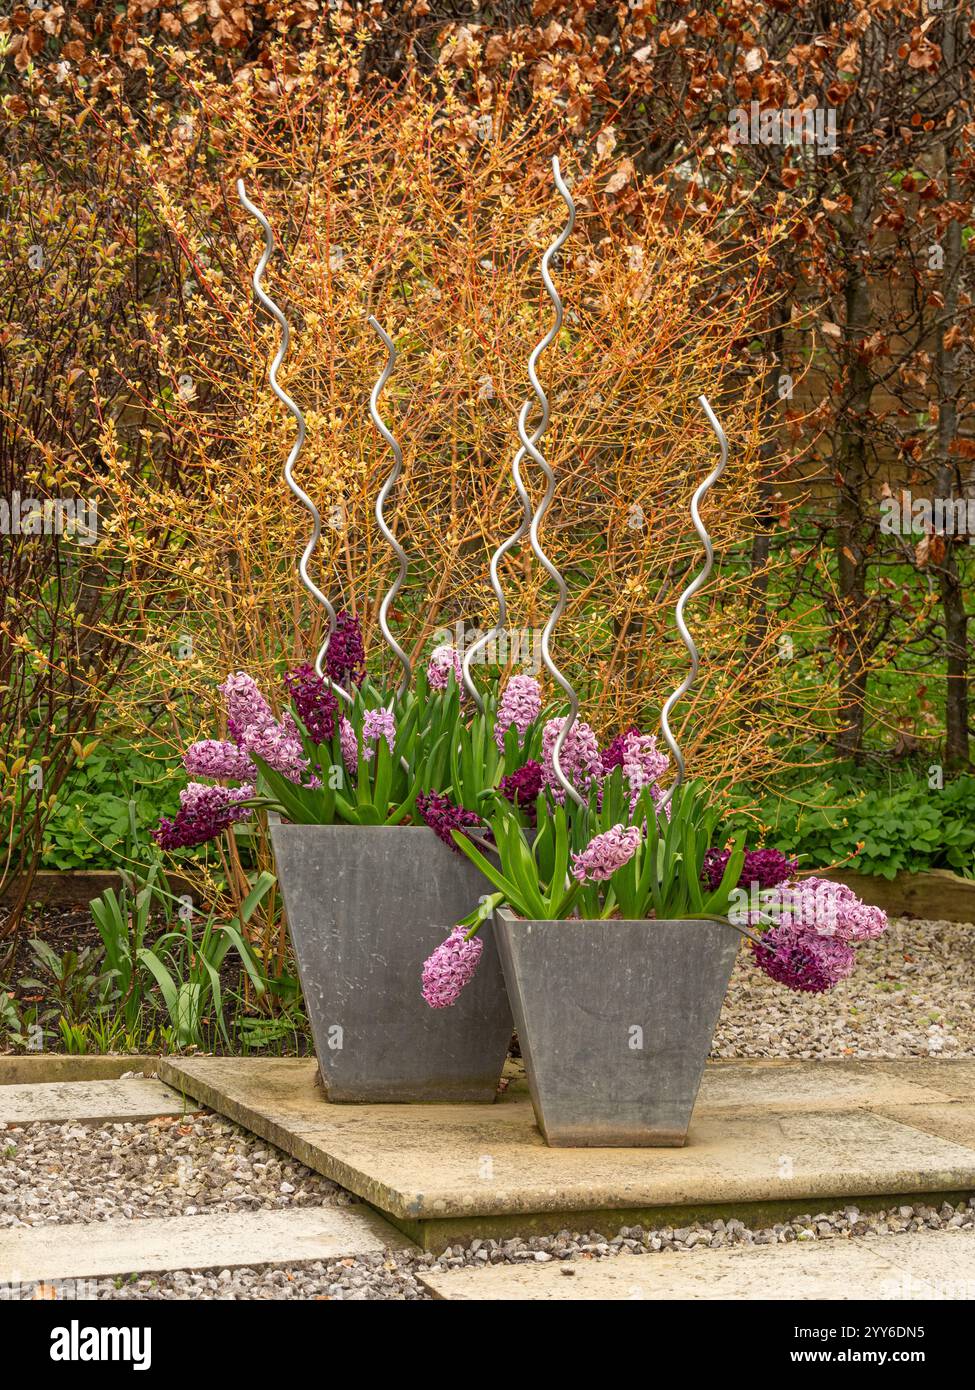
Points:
(36, 1069)
(434, 1233)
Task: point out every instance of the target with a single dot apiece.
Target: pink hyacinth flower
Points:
(443, 660)
(833, 910)
(606, 853)
(520, 705)
(579, 757)
(213, 757)
(450, 968)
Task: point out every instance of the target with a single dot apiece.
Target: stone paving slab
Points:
(35, 1068)
(955, 1076)
(925, 1265)
(440, 1163)
(954, 1120)
(88, 1102)
(799, 1086)
(103, 1249)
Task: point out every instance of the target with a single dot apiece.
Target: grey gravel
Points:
(64, 1173)
(910, 996)
(391, 1275)
(166, 1167)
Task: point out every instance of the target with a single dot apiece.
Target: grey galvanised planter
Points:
(365, 907)
(615, 1021)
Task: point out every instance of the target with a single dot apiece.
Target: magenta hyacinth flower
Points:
(579, 757)
(450, 968)
(767, 867)
(314, 700)
(442, 816)
(443, 660)
(520, 705)
(606, 853)
(612, 756)
(345, 658)
(803, 960)
(522, 788)
(203, 813)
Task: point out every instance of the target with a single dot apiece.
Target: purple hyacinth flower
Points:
(316, 704)
(377, 724)
(442, 816)
(803, 960)
(203, 813)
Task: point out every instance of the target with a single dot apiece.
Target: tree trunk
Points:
(851, 466)
(949, 582)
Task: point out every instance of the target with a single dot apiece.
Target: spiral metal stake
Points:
(530, 446)
(471, 654)
(692, 588)
(272, 376)
(385, 490)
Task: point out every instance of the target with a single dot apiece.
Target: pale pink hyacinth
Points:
(520, 705)
(349, 746)
(643, 765)
(377, 724)
(579, 757)
(280, 747)
(450, 968)
(606, 853)
(443, 660)
(247, 708)
(214, 757)
(255, 730)
(833, 909)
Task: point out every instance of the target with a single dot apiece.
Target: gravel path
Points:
(67, 1173)
(911, 996)
(392, 1275)
(167, 1167)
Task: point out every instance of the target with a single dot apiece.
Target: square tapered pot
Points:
(365, 907)
(615, 1021)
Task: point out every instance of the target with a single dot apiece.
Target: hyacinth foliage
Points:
(604, 860)
(435, 745)
(425, 756)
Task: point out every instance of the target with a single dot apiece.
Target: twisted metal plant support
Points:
(302, 496)
(529, 446)
(516, 536)
(696, 583)
(385, 490)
